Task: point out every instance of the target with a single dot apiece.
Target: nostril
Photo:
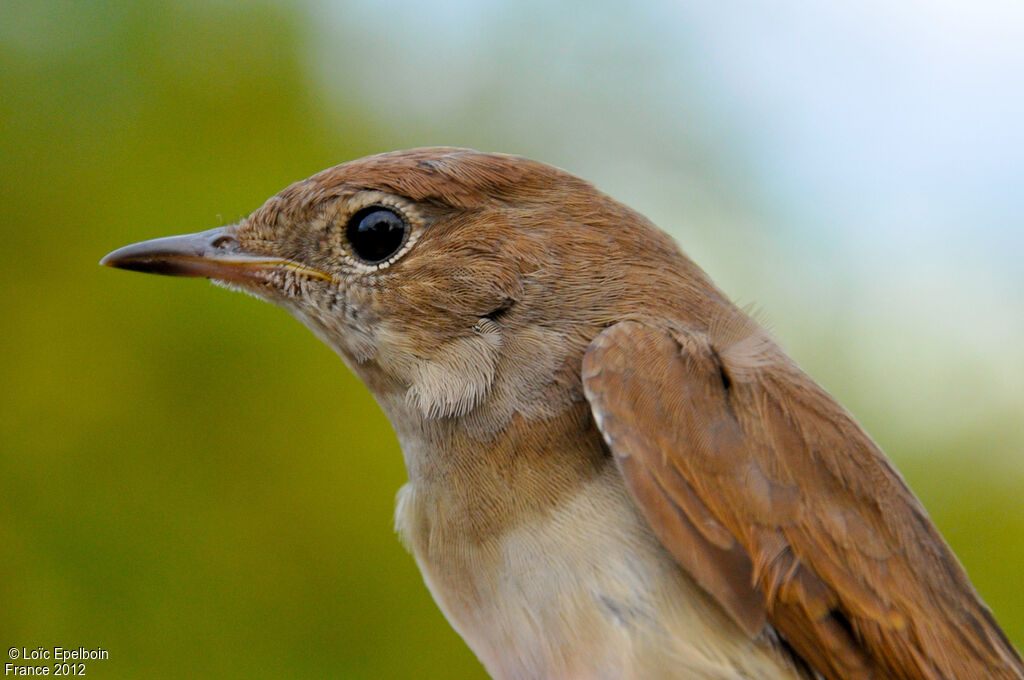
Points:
(224, 242)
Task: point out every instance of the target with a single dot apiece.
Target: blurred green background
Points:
(194, 483)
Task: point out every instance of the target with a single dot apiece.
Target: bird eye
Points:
(375, 234)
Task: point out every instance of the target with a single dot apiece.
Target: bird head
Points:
(446, 278)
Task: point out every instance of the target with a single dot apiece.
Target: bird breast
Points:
(570, 594)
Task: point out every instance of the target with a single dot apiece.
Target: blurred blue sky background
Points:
(852, 169)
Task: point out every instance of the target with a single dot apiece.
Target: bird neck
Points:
(525, 468)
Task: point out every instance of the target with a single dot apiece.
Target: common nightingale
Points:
(614, 472)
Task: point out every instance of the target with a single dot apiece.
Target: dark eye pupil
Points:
(375, 234)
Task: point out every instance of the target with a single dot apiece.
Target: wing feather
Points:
(784, 510)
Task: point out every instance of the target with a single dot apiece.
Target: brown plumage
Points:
(613, 471)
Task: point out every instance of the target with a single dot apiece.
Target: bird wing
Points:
(782, 508)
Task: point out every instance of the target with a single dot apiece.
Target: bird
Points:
(613, 470)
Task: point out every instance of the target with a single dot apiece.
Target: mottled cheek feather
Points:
(280, 286)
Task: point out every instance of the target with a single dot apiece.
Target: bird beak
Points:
(213, 254)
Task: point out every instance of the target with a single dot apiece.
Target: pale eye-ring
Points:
(375, 234)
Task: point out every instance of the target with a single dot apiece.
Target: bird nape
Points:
(613, 471)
